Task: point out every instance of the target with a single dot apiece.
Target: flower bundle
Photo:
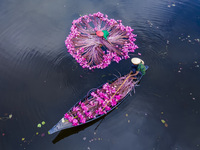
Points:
(99, 104)
(92, 51)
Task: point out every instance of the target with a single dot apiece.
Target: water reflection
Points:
(68, 132)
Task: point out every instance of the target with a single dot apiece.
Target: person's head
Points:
(137, 61)
(99, 33)
(103, 33)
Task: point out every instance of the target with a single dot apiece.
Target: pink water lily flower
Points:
(94, 94)
(100, 101)
(83, 107)
(107, 108)
(83, 120)
(79, 114)
(92, 103)
(106, 86)
(96, 112)
(118, 97)
(101, 94)
(82, 104)
(89, 114)
(70, 119)
(113, 90)
(98, 91)
(66, 116)
(74, 122)
(75, 109)
(113, 102)
(100, 111)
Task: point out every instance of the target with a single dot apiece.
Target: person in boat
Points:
(137, 67)
(103, 33)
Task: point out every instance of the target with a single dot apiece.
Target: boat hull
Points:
(65, 124)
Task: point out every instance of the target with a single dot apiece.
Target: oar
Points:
(99, 123)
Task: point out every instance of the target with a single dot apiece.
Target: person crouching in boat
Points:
(137, 67)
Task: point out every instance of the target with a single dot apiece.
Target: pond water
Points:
(40, 81)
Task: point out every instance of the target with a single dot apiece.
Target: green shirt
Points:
(141, 68)
(105, 34)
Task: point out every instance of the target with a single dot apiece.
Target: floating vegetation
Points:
(40, 124)
(162, 120)
(7, 117)
(95, 41)
(189, 39)
(43, 123)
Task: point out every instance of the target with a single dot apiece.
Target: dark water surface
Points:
(40, 81)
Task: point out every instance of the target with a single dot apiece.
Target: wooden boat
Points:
(98, 105)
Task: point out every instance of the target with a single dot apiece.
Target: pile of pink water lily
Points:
(100, 101)
(92, 51)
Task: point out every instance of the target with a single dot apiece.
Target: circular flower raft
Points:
(95, 41)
